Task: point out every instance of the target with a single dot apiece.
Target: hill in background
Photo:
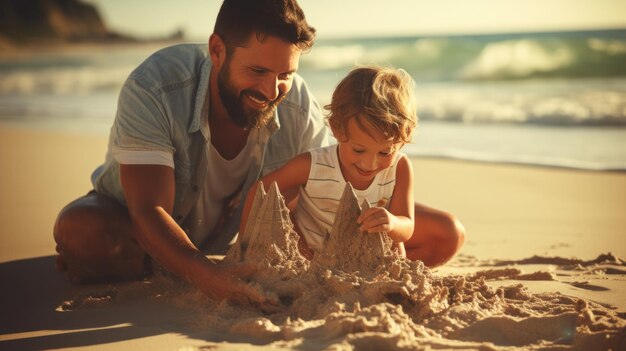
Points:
(52, 22)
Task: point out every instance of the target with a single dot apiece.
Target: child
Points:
(372, 115)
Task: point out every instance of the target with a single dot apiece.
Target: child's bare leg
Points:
(95, 242)
(437, 237)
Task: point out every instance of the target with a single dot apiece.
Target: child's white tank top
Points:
(319, 198)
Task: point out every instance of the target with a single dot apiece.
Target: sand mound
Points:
(359, 294)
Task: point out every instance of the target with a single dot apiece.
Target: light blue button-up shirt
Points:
(160, 108)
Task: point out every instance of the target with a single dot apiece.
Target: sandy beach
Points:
(549, 224)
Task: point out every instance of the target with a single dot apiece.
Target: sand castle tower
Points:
(346, 248)
(269, 240)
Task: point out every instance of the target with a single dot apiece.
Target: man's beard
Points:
(252, 118)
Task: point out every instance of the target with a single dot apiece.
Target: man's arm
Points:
(149, 191)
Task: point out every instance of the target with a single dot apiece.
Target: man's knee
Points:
(87, 220)
(95, 241)
(71, 223)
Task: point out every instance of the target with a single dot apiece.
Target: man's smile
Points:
(257, 102)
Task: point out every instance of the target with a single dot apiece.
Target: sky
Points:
(349, 18)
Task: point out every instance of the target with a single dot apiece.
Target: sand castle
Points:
(358, 294)
(359, 288)
(353, 269)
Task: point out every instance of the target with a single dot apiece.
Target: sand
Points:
(531, 275)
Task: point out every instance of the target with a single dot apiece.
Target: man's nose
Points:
(270, 88)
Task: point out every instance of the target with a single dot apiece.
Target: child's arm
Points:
(398, 221)
(288, 177)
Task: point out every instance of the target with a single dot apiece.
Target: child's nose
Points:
(370, 163)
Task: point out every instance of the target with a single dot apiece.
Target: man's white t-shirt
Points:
(224, 178)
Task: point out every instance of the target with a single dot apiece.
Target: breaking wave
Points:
(63, 80)
(486, 57)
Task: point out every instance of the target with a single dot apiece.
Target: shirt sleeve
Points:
(141, 131)
(127, 157)
(315, 133)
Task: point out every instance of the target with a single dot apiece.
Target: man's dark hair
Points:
(284, 19)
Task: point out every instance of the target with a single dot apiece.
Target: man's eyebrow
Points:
(257, 67)
(260, 68)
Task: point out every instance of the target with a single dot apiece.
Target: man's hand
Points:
(231, 282)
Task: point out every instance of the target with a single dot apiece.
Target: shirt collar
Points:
(200, 110)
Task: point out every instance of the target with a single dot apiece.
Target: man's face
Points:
(255, 78)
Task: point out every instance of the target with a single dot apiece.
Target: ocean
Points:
(550, 99)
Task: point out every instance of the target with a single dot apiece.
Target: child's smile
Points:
(362, 156)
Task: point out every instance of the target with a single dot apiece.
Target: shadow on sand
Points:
(32, 320)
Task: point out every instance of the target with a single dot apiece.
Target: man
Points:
(191, 132)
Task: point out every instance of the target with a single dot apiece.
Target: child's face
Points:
(362, 156)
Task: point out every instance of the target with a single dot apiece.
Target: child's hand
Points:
(376, 219)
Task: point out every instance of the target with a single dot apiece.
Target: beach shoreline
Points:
(511, 213)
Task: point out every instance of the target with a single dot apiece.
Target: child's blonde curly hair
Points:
(383, 97)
